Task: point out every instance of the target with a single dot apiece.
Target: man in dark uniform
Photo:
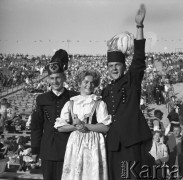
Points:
(129, 131)
(46, 141)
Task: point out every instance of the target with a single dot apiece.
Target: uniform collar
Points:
(117, 84)
(58, 93)
(120, 82)
(64, 94)
(116, 80)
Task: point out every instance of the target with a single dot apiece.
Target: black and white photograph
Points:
(91, 89)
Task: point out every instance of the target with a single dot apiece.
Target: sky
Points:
(38, 27)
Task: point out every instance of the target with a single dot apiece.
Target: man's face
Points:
(56, 81)
(116, 70)
(176, 131)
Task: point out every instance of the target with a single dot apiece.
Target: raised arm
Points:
(139, 19)
(138, 63)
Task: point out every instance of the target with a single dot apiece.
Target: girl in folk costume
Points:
(87, 117)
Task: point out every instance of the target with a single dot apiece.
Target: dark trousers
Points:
(119, 162)
(52, 170)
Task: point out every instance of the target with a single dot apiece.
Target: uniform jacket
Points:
(123, 103)
(45, 139)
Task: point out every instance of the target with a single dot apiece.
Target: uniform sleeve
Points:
(138, 64)
(64, 116)
(102, 114)
(37, 122)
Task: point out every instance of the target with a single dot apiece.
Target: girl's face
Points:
(87, 86)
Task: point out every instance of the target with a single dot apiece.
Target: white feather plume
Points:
(122, 42)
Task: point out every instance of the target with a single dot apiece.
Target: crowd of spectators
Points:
(16, 69)
(162, 72)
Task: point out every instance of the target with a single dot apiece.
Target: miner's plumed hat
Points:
(119, 46)
(59, 62)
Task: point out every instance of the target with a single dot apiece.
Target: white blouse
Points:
(159, 151)
(82, 107)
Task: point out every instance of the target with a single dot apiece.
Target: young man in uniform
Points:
(46, 141)
(129, 130)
